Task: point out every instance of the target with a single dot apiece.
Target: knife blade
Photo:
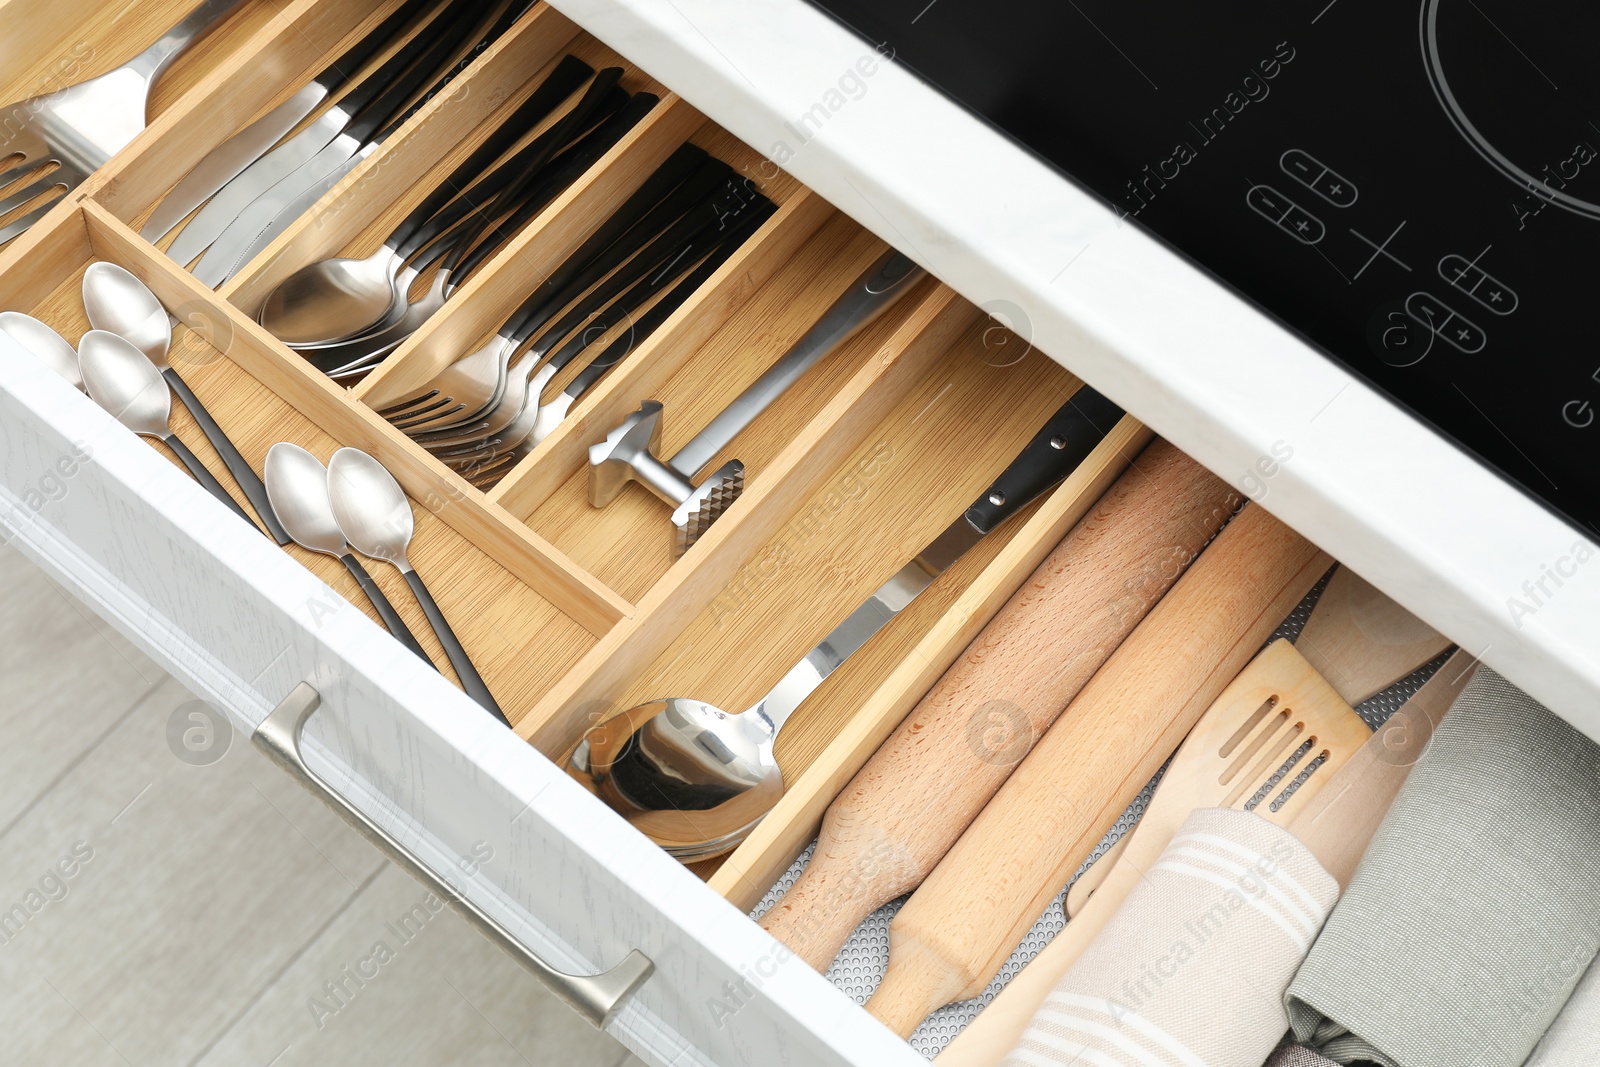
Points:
(265, 173)
(272, 212)
(275, 210)
(227, 160)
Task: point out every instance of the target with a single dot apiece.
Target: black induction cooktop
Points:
(1412, 185)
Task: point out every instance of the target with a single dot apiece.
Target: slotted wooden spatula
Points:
(1244, 724)
(1357, 640)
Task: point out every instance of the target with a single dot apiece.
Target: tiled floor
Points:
(169, 898)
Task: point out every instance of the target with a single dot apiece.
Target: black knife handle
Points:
(386, 611)
(584, 155)
(1055, 452)
(361, 96)
(341, 70)
(413, 233)
(377, 119)
(254, 489)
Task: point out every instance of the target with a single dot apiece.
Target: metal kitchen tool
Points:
(223, 163)
(123, 381)
(696, 779)
(286, 159)
(297, 482)
(119, 302)
(1336, 822)
(630, 452)
(78, 129)
(47, 346)
(375, 517)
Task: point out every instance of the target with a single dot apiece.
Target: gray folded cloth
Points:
(1298, 1056)
(1574, 1039)
(1477, 907)
(1191, 970)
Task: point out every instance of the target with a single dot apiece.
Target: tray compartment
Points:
(523, 634)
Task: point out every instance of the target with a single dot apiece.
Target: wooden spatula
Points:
(1357, 640)
(1335, 812)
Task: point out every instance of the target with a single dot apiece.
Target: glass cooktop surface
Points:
(1411, 185)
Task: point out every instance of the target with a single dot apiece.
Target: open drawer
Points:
(570, 612)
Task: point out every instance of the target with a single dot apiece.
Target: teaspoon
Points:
(375, 517)
(121, 379)
(47, 346)
(122, 304)
(297, 482)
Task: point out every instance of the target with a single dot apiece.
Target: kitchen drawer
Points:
(571, 612)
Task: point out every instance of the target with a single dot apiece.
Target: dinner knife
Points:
(265, 173)
(273, 212)
(231, 157)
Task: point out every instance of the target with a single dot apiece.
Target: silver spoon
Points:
(297, 482)
(375, 516)
(122, 304)
(122, 380)
(696, 779)
(47, 346)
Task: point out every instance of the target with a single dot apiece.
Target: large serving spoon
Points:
(120, 303)
(121, 379)
(696, 779)
(47, 346)
(375, 517)
(298, 484)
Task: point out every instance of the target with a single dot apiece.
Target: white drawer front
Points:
(242, 623)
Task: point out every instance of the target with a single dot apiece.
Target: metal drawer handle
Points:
(595, 997)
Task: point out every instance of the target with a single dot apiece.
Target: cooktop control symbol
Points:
(1443, 320)
(1305, 168)
(1578, 413)
(1284, 213)
(1479, 284)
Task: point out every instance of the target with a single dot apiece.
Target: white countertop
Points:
(1368, 482)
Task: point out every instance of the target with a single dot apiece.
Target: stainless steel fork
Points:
(67, 135)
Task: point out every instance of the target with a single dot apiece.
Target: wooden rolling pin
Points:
(957, 929)
(907, 806)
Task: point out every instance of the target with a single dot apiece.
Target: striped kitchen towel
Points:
(1192, 969)
(1573, 1040)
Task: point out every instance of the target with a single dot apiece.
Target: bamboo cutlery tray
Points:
(573, 613)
